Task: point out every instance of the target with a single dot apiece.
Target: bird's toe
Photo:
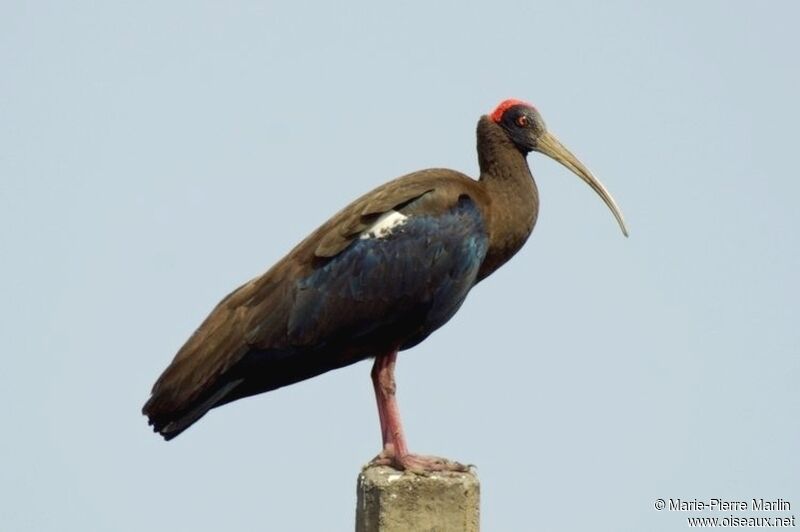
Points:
(421, 464)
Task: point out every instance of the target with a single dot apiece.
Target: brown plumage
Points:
(346, 293)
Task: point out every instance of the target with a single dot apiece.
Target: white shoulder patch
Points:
(384, 225)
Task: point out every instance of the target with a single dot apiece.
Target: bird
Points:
(376, 279)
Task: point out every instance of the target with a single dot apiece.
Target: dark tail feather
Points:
(259, 371)
(170, 424)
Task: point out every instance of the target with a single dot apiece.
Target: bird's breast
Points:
(513, 211)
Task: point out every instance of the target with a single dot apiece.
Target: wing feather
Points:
(298, 303)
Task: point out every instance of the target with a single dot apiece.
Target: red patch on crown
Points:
(505, 105)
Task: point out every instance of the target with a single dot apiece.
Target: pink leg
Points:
(375, 374)
(395, 450)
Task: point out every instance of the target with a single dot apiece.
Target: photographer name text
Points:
(724, 505)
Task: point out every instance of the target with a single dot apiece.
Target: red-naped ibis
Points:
(376, 279)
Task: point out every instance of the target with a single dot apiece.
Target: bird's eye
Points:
(522, 121)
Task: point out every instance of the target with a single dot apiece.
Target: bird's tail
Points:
(258, 371)
(170, 422)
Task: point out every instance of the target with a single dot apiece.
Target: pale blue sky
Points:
(155, 155)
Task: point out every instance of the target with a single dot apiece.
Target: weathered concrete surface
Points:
(391, 501)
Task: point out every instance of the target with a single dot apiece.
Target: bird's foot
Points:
(421, 464)
(417, 463)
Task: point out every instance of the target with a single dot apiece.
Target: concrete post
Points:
(391, 501)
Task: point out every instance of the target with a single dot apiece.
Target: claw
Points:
(417, 464)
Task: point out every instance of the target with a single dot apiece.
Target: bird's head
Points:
(526, 129)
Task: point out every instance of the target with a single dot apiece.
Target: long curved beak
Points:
(550, 146)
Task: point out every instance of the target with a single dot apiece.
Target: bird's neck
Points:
(507, 179)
